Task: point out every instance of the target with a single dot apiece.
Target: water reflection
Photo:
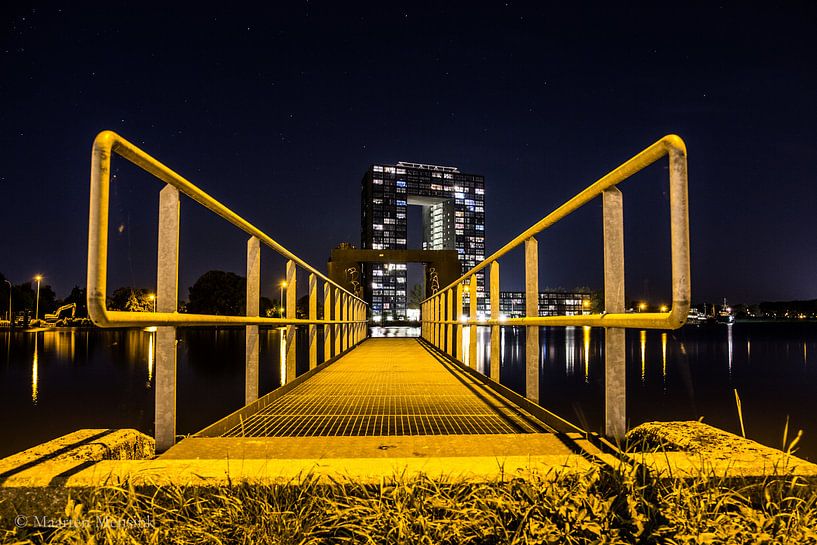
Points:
(35, 372)
(643, 355)
(482, 344)
(151, 355)
(211, 380)
(664, 358)
(729, 346)
(62, 343)
(570, 350)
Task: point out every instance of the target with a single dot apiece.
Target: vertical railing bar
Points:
(167, 293)
(532, 309)
(327, 315)
(312, 330)
(472, 329)
(450, 328)
(336, 317)
(291, 310)
(251, 331)
(494, 297)
(344, 309)
(457, 314)
(615, 377)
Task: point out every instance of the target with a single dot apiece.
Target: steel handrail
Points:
(671, 145)
(105, 145)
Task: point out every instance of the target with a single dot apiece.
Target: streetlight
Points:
(663, 308)
(10, 287)
(37, 307)
(152, 297)
(282, 285)
(642, 307)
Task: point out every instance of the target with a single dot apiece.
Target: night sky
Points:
(278, 113)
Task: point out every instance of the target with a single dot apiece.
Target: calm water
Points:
(55, 382)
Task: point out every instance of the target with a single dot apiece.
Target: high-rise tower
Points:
(453, 219)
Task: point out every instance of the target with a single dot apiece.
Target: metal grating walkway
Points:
(387, 387)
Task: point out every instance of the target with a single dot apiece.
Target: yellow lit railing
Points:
(344, 319)
(443, 322)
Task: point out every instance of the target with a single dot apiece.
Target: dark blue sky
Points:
(278, 113)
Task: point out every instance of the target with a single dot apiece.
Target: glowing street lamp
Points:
(38, 278)
(642, 307)
(664, 308)
(152, 297)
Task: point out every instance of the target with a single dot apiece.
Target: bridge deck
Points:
(388, 387)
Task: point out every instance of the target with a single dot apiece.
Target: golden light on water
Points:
(35, 372)
(151, 350)
(664, 356)
(586, 353)
(643, 355)
(570, 350)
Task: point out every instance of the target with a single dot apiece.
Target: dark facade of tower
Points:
(453, 219)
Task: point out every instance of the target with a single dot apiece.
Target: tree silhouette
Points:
(218, 292)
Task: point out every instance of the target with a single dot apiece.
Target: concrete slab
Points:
(276, 471)
(86, 445)
(401, 446)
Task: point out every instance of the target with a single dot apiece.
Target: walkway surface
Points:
(387, 398)
(387, 387)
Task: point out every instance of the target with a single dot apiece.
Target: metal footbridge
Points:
(381, 393)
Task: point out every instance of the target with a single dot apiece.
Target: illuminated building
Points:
(512, 303)
(453, 219)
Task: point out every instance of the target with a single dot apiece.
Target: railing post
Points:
(450, 329)
(313, 315)
(457, 312)
(472, 329)
(494, 296)
(337, 318)
(349, 302)
(327, 315)
(532, 310)
(615, 377)
(361, 315)
(434, 319)
(344, 313)
(356, 328)
(251, 331)
(427, 320)
(167, 293)
(292, 302)
(443, 307)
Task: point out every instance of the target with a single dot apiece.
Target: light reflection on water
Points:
(664, 357)
(57, 381)
(35, 372)
(699, 367)
(643, 337)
